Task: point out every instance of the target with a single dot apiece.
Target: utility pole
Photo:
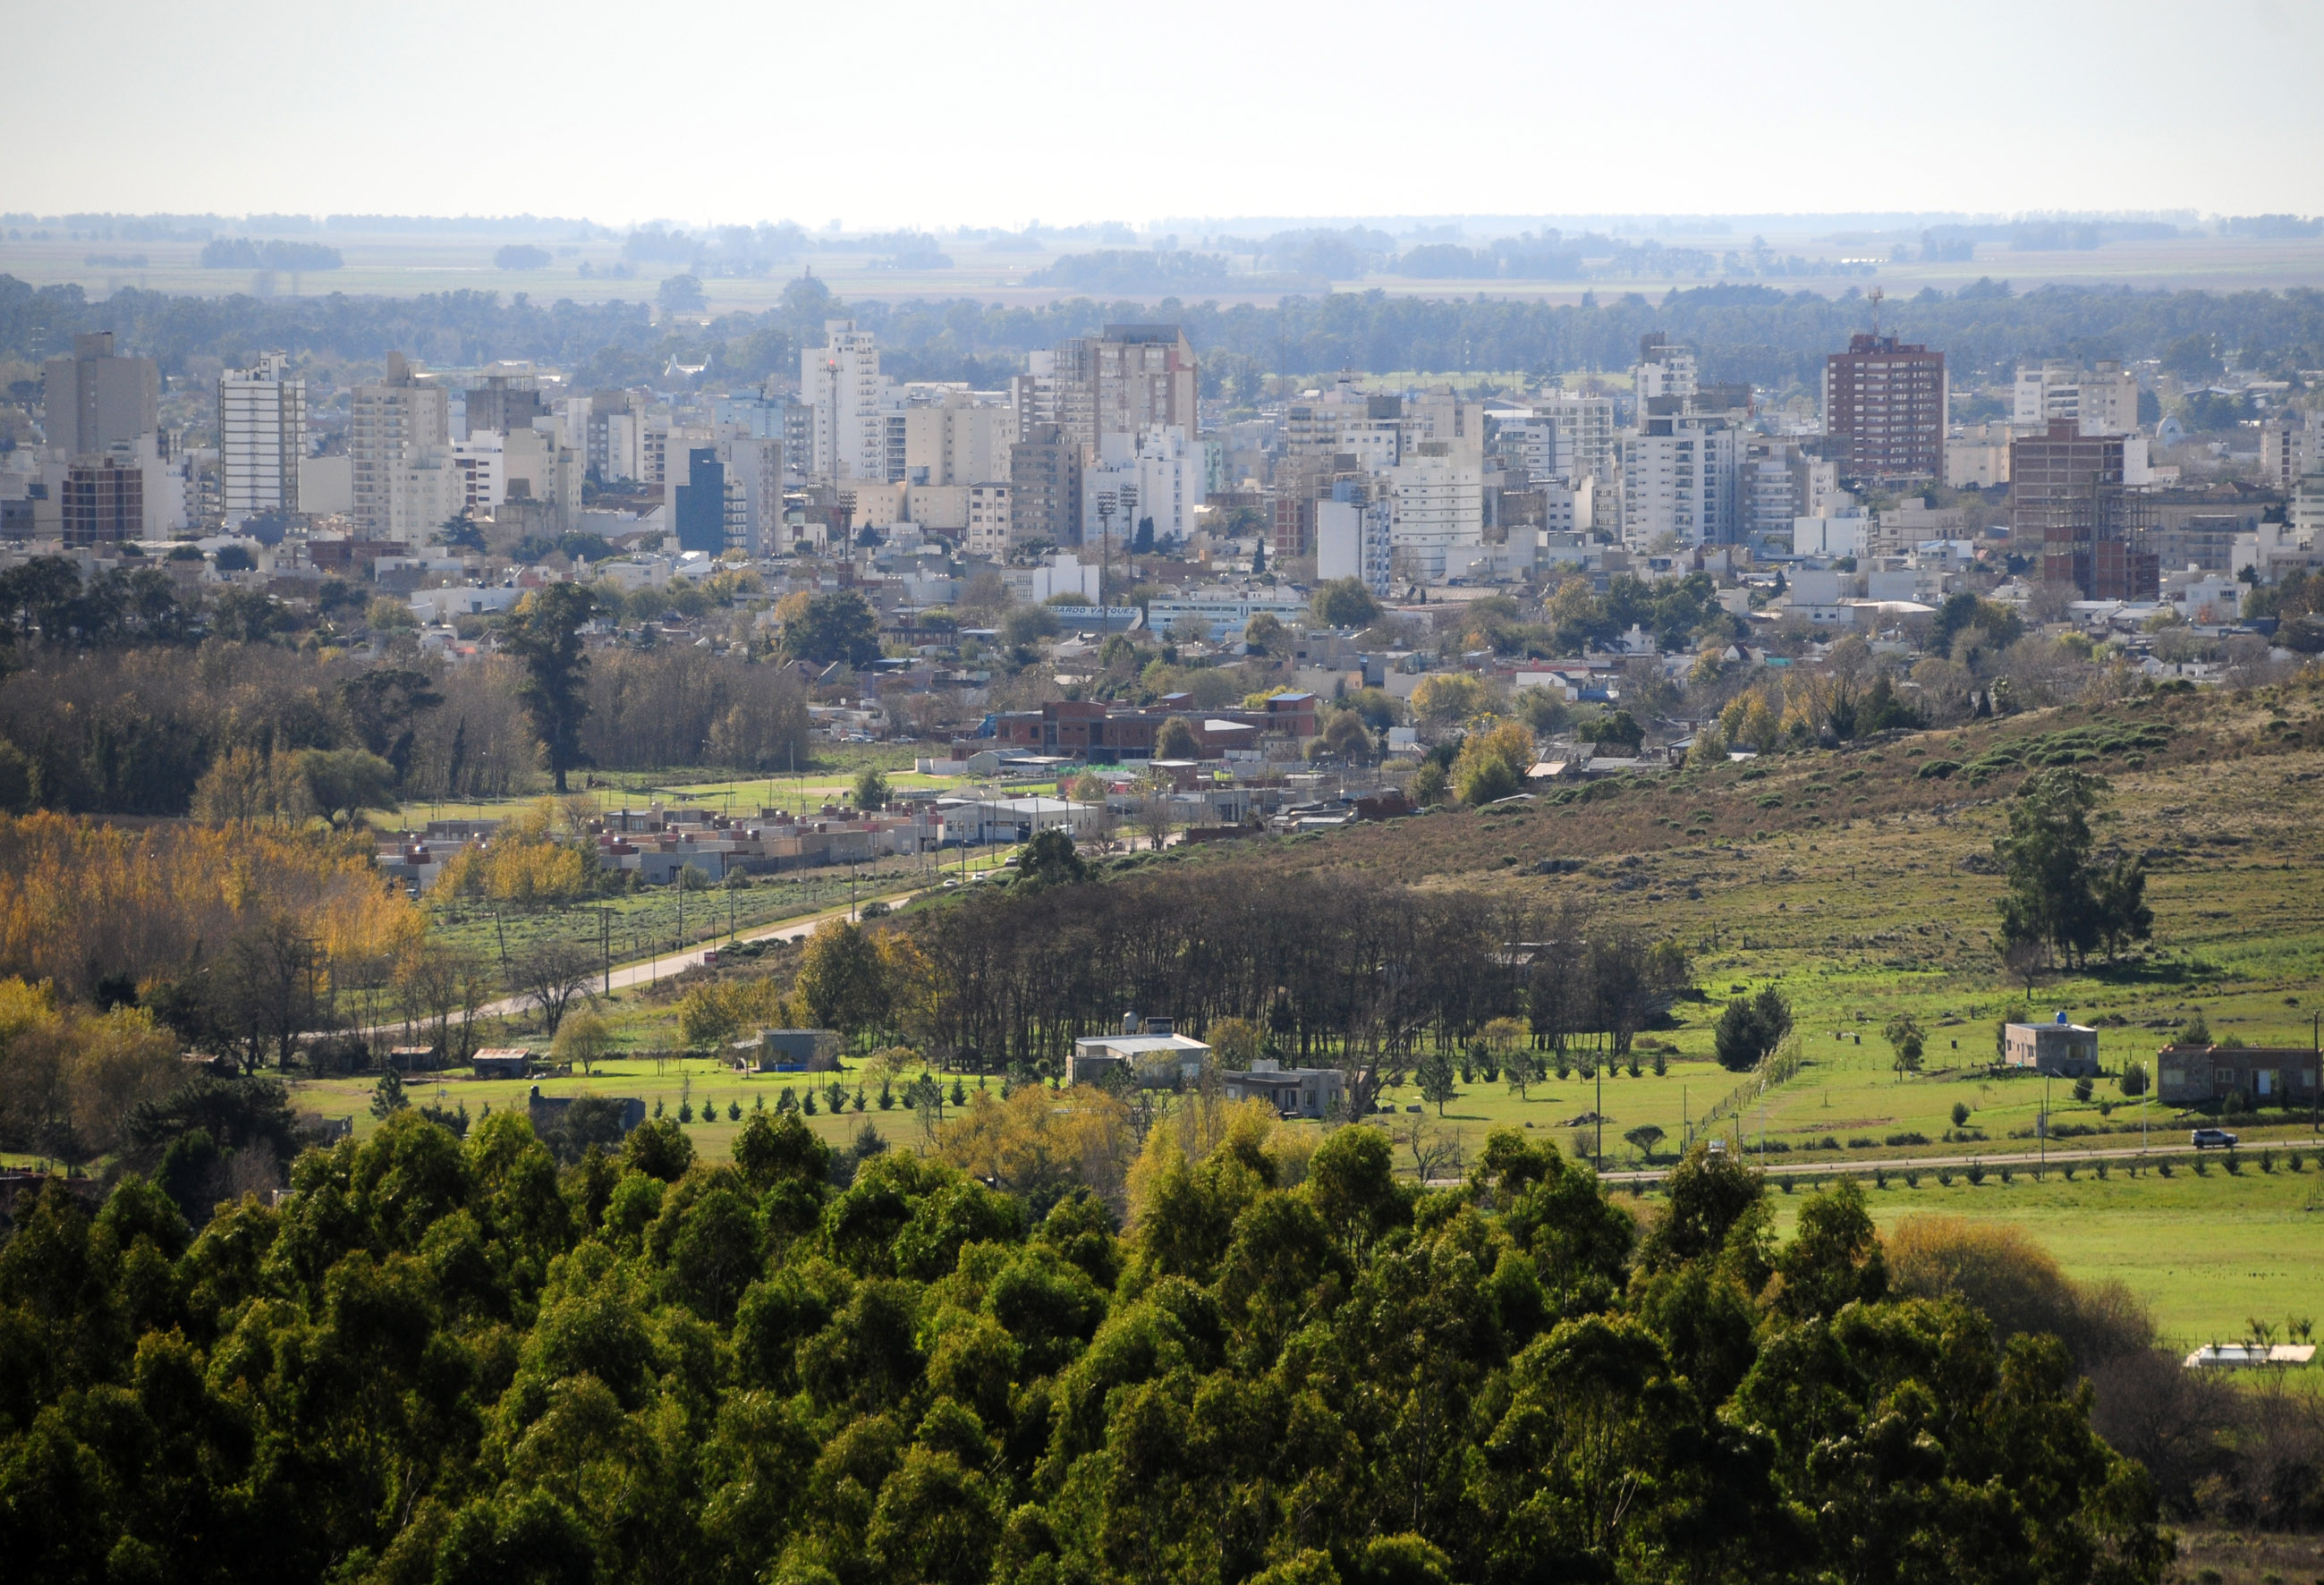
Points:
(1105, 505)
(2042, 1130)
(605, 945)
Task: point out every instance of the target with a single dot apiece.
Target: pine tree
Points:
(1435, 1077)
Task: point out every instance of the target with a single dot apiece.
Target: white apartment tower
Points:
(1664, 369)
(1681, 482)
(1437, 500)
(1033, 395)
(1585, 434)
(262, 421)
(841, 381)
(2289, 450)
(2103, 401)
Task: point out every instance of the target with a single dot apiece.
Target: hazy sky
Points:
(999, 112)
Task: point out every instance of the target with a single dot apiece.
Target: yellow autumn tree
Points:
(1040, 1142)
(1492, 763)
(1446, 698)
(541, 858)
(71, 1078)
(247, 784)
(81, 903)
(710, 1015)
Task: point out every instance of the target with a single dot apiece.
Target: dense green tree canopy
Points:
(837, 626)
(448, 1360)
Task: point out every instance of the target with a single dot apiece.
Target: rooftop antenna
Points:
(1873, 296)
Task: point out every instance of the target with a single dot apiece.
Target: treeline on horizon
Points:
(1745, 332)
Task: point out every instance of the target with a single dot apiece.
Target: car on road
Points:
(2212, 1140)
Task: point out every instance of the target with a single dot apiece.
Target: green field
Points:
(2207, 1254)
(1863, 889)
(646, 922)
(697, 1081)
(2207, 1251)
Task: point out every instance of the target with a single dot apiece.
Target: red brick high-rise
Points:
(1885, 401)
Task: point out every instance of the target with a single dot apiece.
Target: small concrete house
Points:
(2263, 1075)
(788, 1051)
(2069, 1051)
(1315, 1092)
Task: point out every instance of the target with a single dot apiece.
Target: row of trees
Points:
(458, 1362)
(1745, 332)
(233, 728)
(97, 908)
(1336, 968)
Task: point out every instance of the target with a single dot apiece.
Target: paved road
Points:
(647, 971)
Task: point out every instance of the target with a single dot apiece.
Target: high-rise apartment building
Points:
(2101, 401)
(1665, 369)
(1437, 500)
(1033, 396)
(1781, 480)
(102, 498)
(1682, 482)
(509, 398)
(1884, 402)
(1585, 434)
(609, 430)
(399, 453)
(841, 381)
(2288, 449)
(1130, 379)
(1159, 478)
(990, 521)
(2066, 494)
(958, 440)
(1044, 488)
(1314, 425)
(1527, 442)
(97, 397)
(262, 422)
(755, 466)
(711, 511)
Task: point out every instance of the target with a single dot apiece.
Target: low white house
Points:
(989, 820)
(434, 605)
(1153, 1055)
